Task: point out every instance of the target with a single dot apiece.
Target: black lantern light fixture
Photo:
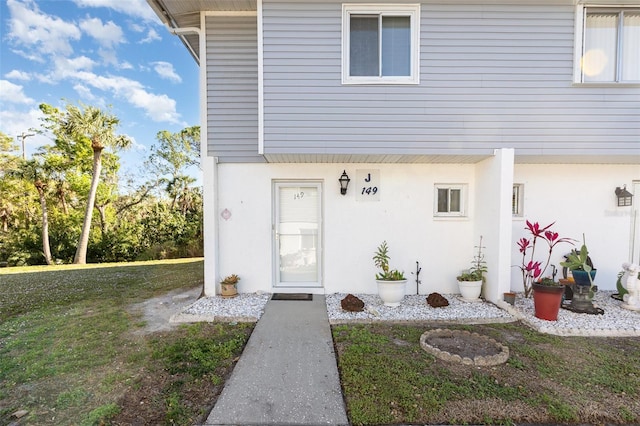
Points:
(344, 182)
(625, 198)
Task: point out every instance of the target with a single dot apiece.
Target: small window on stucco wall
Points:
(517, 200)
(450, 200)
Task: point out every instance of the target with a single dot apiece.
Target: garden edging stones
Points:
(489, 351)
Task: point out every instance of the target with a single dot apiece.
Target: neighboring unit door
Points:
(297, 234)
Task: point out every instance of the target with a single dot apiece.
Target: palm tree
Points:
(97, 128)
(36, 171)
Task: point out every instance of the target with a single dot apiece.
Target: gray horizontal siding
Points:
(232, 89)
(493, 75)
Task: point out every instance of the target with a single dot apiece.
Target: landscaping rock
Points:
(436, 300)
(352, 304)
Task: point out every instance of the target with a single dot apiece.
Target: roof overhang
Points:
(177, 14)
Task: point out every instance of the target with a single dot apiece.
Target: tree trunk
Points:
(46, 248)
(102, 209)
(81, 252)
(4, 216)
(63, 199)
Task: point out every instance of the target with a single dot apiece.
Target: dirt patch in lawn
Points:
(157, 311)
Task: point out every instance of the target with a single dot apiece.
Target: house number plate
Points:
(368, 185)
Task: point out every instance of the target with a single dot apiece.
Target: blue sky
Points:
(105, 53)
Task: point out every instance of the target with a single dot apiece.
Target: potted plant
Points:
(470, 282)
(229, 286)
(547, 298)
(583, 273)
(547, 293)
(580, 265)
(391, 282)
(532, 270)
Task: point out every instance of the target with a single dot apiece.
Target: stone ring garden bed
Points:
(464, 347)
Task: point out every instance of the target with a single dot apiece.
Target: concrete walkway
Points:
(287, 373)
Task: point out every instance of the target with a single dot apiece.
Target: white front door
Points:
(297, 234)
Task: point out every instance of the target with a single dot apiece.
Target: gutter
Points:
(172, 26)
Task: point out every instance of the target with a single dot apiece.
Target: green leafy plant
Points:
(231, 279)
(381, 260)
(478, 266)
(548, 282)
(579, 260)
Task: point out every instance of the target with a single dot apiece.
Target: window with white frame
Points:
(450, 200)
(380, 44)
(609, 45)
(517, 199)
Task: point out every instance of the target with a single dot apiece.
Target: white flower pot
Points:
(391, 292)
(470, 290)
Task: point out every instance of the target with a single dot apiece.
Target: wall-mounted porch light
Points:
(625, 198)
(344, 182)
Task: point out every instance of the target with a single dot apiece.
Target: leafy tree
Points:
(80, 129)
(8, 164)
(171, 158)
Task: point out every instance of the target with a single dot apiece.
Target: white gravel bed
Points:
(615, 321)
(246, 307)
(415, 308)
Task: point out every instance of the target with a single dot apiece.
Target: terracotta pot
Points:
(510, 298)
(228, 290)
(547, 300)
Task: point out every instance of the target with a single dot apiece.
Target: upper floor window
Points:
(380, 44)
(610, 45)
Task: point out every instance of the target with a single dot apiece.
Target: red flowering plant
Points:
(532, 269)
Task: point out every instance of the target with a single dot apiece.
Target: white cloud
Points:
(135, 8)
(14, 123)
(18, 75)
(108, 56)
(84, 92)
(65, 67)
(12, 93)
(136, 27)
(159, 108)
(165, 70)
(152, 35)
(107, 34)
(135, 145)
(31, 29)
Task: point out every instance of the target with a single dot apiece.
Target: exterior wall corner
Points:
(493, 206)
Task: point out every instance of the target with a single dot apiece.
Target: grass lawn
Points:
(388, 378)
(71, 353)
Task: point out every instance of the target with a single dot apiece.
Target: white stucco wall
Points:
(580, 199)
(352, 229)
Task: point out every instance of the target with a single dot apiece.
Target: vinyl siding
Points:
(492, 76)
(232, 88)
